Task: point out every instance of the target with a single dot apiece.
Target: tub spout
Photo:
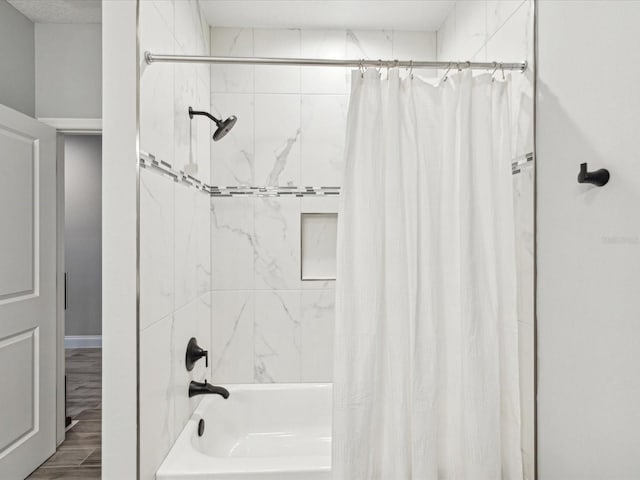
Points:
(197, 388)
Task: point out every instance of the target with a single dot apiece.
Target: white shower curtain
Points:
(426, 345)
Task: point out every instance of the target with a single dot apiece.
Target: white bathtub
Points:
(261, 432)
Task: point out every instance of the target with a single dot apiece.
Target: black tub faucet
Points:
(197, 388)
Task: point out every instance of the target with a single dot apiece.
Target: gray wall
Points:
(588, 241)
(83, 218)
(68, 70)
(17, 60)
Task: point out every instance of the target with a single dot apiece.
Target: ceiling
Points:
(417, 15)
(60, 11)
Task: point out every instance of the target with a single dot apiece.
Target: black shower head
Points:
(224, 127)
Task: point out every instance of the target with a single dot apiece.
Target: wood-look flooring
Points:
(79, 456)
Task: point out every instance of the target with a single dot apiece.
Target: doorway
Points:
(82, 173)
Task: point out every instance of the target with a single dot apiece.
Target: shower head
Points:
(224, 126)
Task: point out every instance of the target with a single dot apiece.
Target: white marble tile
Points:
(277, 337)
(156, 240)
(527, 397)
(233, 156)
(318, 313)
(203, 327)
(277, 243)
(156, 87)
(203, 243)
(499, 11)
(232, 351)
(322, 139)
(446, 39)
(192, 244)
(415, 46)
(232, 42)
(202, 168)
(514, 42)
(277, 43)
(471, 34)
(323, 204)
(156, 395)
(523, 211)
(232, 240)
(164, 380)
(188, 27)
(318, 245)
(185, 134)
(164, 7)
(324, 44)
(369, 44)
(277, 139)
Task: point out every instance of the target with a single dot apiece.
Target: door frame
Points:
(64, 126)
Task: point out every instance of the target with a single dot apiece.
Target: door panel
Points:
(18, 367)
(27, 294)
(17, 185)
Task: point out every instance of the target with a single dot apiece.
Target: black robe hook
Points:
(597, 177)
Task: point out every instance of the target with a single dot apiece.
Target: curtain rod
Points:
(321, 62)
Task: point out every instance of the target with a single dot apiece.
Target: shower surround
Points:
(268, 324)
(175, 264)
(227, 270)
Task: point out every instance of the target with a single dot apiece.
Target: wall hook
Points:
(597, 177)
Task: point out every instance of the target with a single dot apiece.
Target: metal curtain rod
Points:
(321, 62)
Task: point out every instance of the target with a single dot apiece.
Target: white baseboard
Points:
(83, 341)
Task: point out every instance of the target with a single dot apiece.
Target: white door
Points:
(27, 293)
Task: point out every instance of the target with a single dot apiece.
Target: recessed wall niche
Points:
(318, 237)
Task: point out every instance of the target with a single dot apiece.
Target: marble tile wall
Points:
(175, 263)
(502, 30)
(268, 324)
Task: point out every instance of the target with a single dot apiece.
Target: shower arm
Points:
(193, 112)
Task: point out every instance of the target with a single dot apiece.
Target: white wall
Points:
(502, 30)
(17, 51)
(82, 234)
(268, 324)
(175, 265)
(68, 70)
(119, 221)
(588, 241)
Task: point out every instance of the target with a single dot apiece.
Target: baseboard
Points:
(83, 341)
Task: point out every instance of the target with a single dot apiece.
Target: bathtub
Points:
(261, 432)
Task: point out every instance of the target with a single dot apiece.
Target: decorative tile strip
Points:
(147, 160)
(523, 161)
(237, 191)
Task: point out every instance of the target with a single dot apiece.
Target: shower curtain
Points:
(426, 346)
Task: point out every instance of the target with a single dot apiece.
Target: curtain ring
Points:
(380, 65)
(495, 67)
(361, 67)
(502, 71)
(411, 69)
(444, 78)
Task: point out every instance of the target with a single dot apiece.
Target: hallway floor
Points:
(79, 456)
